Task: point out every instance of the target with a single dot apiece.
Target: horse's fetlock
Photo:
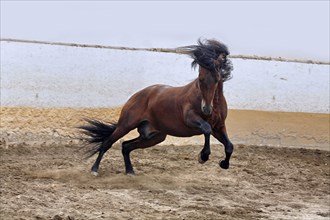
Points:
(229, 148)
(205, 157)
(224, 164)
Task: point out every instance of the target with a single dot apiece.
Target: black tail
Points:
(97, 132)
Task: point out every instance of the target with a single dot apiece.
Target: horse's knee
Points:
(206, 128)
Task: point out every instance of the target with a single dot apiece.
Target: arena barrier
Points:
(39, 74)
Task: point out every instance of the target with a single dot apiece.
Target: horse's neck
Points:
(219, 88)
(192, 90)
(218, 93)
(193, 85)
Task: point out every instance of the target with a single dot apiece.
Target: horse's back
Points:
(143, 97)
(145, 104)
(138, 107)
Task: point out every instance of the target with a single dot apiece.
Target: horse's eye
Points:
(217, 77)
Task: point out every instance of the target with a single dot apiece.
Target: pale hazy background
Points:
(293, 29)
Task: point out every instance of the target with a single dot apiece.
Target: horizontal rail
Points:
(164, 50)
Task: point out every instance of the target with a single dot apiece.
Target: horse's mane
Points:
(204, 54)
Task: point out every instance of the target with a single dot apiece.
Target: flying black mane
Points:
(206, 52)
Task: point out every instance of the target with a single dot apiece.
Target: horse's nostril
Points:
(207, 110)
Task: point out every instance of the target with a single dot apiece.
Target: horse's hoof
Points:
(94, 173)
(130, 174)
(200, 160)
(224, 164)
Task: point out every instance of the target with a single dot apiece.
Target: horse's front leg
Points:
(196, 121)
(220, 134)
(206, 151)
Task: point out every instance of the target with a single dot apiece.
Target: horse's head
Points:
(214, 68)
(208, 81)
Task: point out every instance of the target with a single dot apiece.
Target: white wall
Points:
(247, 27)
(58, 76)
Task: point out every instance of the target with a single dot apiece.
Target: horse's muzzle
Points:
(207, 110)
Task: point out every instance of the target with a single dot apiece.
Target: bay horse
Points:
(160, 110)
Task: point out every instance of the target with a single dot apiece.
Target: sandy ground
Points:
(33, 126)
(44, 175)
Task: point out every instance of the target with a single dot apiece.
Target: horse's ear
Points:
(221, 59)
(218, 76)
(216, 62)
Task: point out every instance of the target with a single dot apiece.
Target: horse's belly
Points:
(177, 129)
(184, 133)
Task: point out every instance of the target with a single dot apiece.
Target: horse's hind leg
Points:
(147, 138)
(106, 145)
(140, 142)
